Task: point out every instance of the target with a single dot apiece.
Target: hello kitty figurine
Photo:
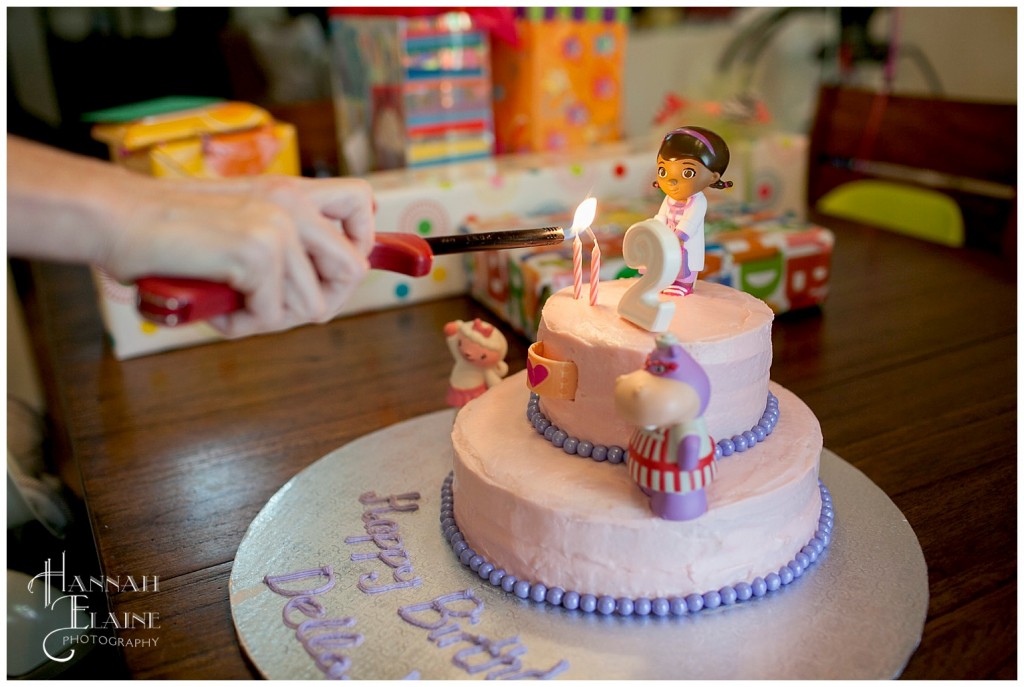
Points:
(671, 455)
(479, 351)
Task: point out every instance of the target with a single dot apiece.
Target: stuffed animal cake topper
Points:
(478, 349)
(671, 454)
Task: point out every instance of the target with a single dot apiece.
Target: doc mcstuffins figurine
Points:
(671, 455)
(690, 160)
(479, 351)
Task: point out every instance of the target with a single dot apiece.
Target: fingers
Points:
(251, 321)
(302, 285)
(288, 288)
(349, 201)
(337, 294)
(340, 264)
(295, 247)
(336, 256)
(339, 257)
(259, 268)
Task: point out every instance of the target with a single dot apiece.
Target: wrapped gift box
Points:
(770, 173)
(782, 261)
(560, 88)
(212, 140)
(410, 91)
(225, 139)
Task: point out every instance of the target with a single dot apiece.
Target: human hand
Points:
(295, 248)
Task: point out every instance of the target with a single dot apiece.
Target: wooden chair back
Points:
(967, 150)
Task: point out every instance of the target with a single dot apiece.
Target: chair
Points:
(919, 212)
(940, 170)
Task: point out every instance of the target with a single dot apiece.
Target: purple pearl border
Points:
(616, 454)
(660, 607)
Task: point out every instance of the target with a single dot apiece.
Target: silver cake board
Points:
(856, 614)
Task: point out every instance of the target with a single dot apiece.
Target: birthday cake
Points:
(552, 494)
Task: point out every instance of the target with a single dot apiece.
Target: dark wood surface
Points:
(910, 366)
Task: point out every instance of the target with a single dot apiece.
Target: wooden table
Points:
(910, 366)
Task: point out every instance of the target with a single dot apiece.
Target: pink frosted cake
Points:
(540, 504)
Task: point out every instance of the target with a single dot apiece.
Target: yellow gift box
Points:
(225, 139)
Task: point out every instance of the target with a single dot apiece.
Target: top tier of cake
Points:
(727, 331)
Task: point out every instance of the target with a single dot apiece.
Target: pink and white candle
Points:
(581, 221)
(577, 265)
(595, 270)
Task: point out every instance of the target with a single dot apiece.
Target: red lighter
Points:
(174, 301)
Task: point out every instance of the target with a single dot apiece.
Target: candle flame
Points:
(584, 216)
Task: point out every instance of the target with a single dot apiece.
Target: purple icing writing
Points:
(324, 639)
(274, 581)
(492, 654)
(500, 657)
(386, 536)
(325, 642)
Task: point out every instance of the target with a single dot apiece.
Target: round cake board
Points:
(856, 614)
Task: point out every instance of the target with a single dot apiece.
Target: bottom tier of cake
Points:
(562, 522)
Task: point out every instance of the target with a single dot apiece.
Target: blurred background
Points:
(66, 61)
(900, 117)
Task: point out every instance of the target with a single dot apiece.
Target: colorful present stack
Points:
(561, 87)
(183, 137)
(410, 91)
(783, 261)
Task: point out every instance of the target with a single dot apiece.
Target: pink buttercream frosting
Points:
(564, 521)
(728, 333)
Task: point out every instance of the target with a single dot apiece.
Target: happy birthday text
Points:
(329, 641)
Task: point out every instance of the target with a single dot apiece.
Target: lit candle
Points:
(582, 220)
(595, 269)
(577, 264)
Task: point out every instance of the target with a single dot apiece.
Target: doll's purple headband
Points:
(699, 136)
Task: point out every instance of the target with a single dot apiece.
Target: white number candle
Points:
(653, 246)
